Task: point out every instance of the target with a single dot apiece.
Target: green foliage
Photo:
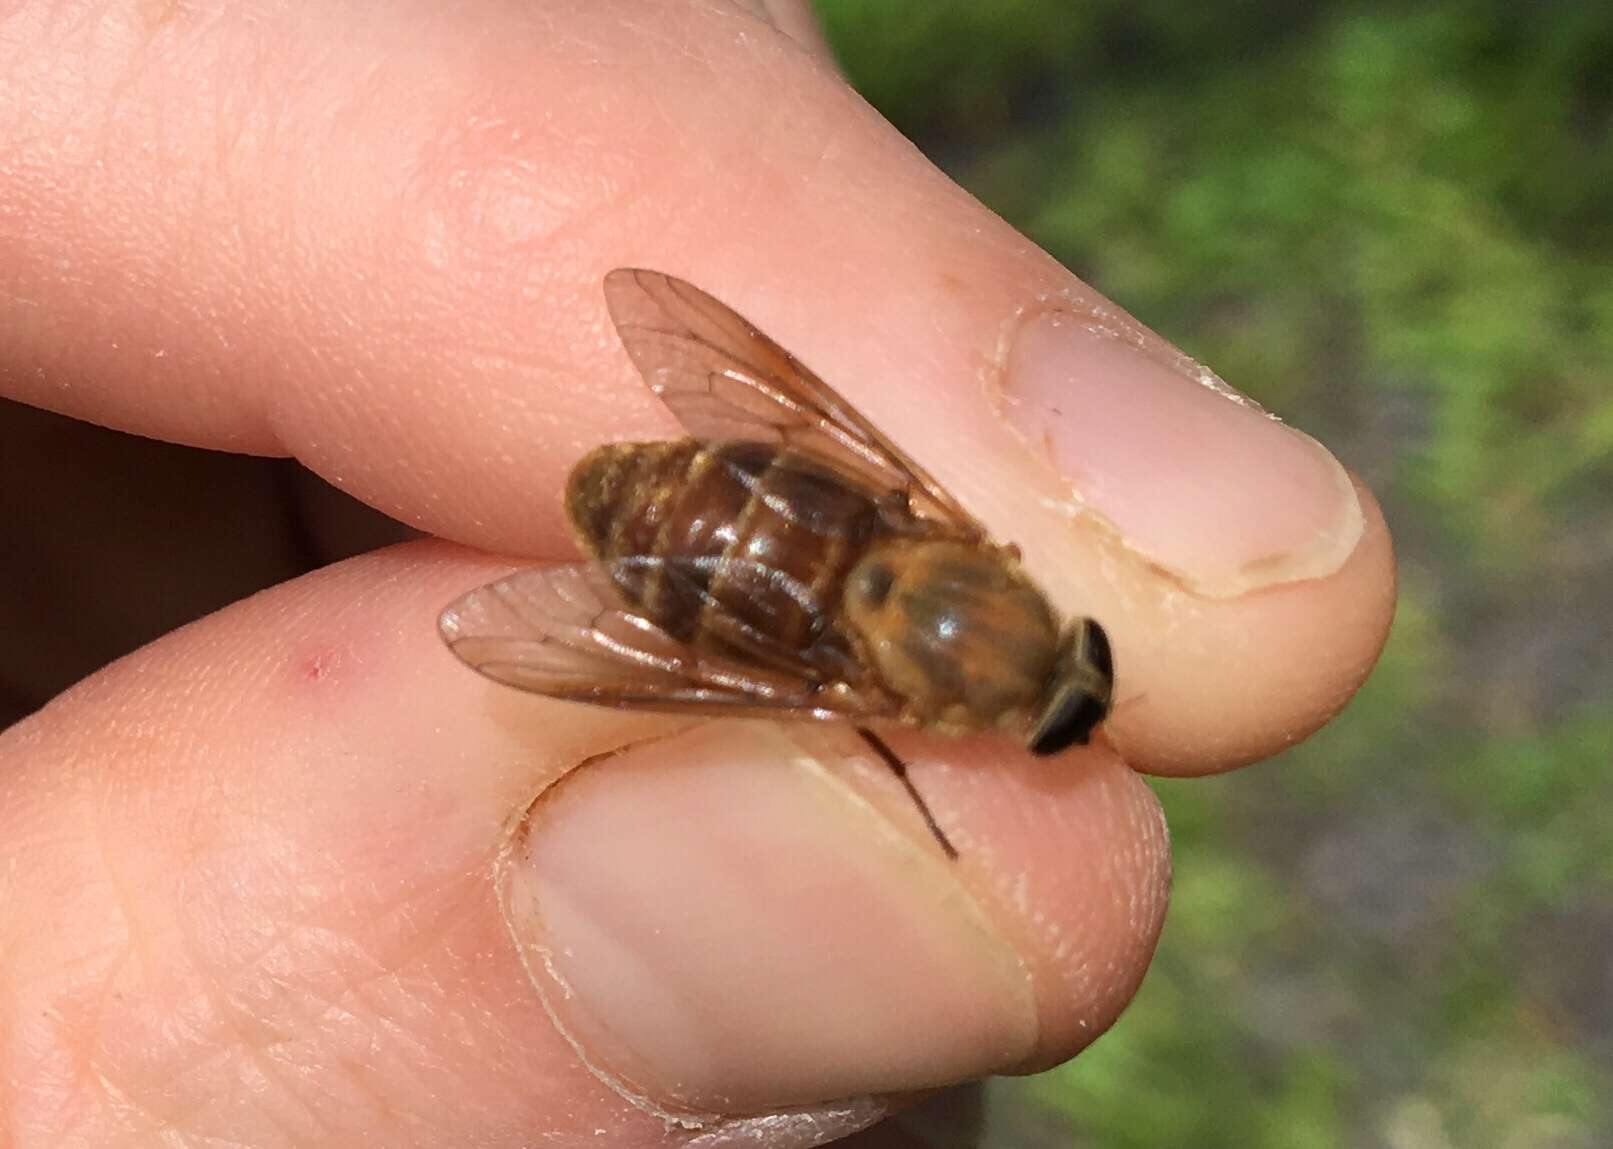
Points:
(1393, 223)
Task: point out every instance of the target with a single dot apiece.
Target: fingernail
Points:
(723, 924)
(1191, 476)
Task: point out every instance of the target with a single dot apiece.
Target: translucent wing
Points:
(562, 631)
(724, 379)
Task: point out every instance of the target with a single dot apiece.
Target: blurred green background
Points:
(1393, 224)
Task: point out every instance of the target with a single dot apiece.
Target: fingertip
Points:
(724, 923)
(743, 916)
(1205, 686)
(1070, 856)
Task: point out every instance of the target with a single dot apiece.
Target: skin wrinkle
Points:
(129, 934)
(420, 942)
(87, 1076)
(265, 143)
(137, 68)
(283, 939)
(237, 1008)
(271, 1074)
(412, 1061)
(356, 1075)
(239, 1043)
(228, 1015)
(130, 1114)
(51, 1085)
(230, 987)
(355, 1079)
(229, 181)
(124, 116)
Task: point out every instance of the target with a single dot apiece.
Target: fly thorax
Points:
(954, 628)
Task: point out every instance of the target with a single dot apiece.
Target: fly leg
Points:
(899, 768)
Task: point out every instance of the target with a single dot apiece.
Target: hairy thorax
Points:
(955, 628)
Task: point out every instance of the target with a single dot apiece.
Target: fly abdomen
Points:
(802, 529)
(617, 497)
(769, 536)
(617, 500)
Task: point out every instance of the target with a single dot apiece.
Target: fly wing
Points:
(561, 631)
(726, 380)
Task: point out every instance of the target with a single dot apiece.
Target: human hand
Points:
(299, 886)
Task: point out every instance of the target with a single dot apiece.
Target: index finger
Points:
(392, 273)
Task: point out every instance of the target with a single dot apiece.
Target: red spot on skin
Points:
(317, 666)
(335, 670)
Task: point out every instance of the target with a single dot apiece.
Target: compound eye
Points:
(1067, 722)
(1079, 697)
(1094, 650)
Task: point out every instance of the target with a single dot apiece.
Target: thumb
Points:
(311, 882)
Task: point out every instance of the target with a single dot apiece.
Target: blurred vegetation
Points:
(1393, 224)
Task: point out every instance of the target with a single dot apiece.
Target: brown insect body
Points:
(806, 570)
(774, 533)
(957, 631)
(785, 559)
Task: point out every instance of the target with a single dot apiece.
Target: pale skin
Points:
(271, 880)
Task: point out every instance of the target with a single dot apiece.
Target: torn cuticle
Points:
(797, 1127)
(1200, 482)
